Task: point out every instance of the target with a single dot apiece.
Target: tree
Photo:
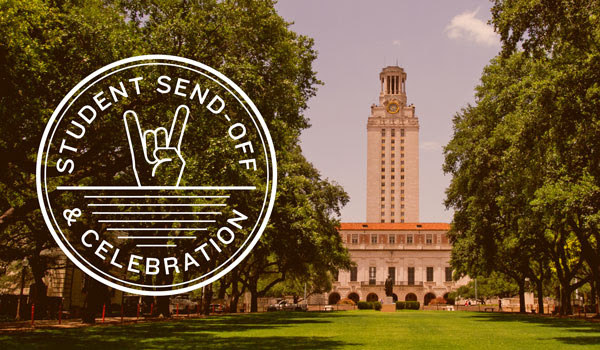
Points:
(564, 37)
(495, 285)
(302, 239)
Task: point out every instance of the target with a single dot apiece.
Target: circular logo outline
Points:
(270, 196)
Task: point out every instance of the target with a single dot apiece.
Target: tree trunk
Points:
(540, 296)
(522, 308)
(253, 289)
(222, 288)
(162, 305)
(253, 301)
(208, 294)
(565, 301)
(235, 294)
(96, 294)
(38, 290)
(595, 294)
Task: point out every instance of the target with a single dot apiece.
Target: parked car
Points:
(182, 302)
(284, 305)
(217, 308)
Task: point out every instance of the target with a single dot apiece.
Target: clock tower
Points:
(392, 153)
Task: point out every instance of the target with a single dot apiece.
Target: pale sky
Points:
(443, 47)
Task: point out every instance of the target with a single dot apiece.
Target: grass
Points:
(361, 329)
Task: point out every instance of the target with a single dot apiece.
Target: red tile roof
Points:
(362, 226)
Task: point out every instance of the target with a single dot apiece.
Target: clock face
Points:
(393, 107)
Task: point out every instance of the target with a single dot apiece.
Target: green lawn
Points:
(311, 330)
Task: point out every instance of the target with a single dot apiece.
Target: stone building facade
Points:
(415, 256)
(392, 242)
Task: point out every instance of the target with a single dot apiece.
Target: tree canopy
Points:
(523, 157)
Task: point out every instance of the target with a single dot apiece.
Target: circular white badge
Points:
(156, 175)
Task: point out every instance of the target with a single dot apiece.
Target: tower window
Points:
(393, 132)
(382, 140)
(394, 162)
(383, 148)
(382, 191)
(393, 177)
(401, 140)
(392, 184)
(383, 162)
(402, 132)
(393, 155)
(382, 198)
(382, 168)
(383, 206)
(382, 132)
(393, 141)
(393, 169)
(392, 213)
(393, 198)
(393, 148)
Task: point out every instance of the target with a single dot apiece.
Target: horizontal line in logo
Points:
(157, 229)
(154, 188)
(156, 212)
(156, 237)
(155, 205)
(157, 220)
(156, 196)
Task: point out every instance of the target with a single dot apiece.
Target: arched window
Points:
(334, 298)
(428, 298)
(372, 297)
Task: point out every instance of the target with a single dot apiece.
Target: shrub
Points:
(365, 305)
(400, 305)
(438, 300)
(346, 301)
(413, 305)
(376, 305)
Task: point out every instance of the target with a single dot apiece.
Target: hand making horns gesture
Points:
(157, 149)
